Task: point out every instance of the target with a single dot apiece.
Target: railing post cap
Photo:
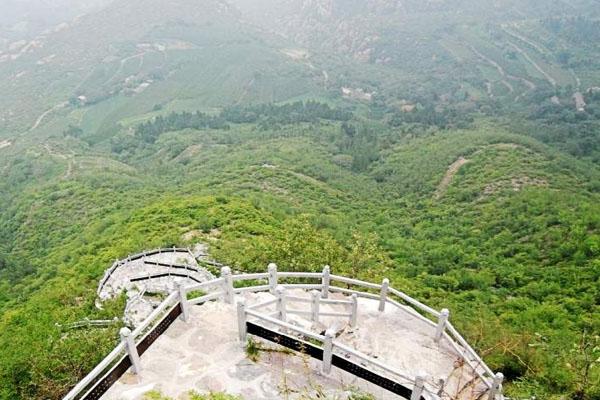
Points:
(354, 296)
(445, 312)
(330, 333)
(327, 268)
(420, 378)
(272, 266)
(241, 303)
(499, 377)
(280, 289)
(386, 281)
(225, 271)
(315, 293)
(125, 332)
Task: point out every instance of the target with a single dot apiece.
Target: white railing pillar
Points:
(496, 386)
(227, 284)
(272, 268)
(183, 301)
(327, 351)
(441, 325)
(134, 357)
(385, 285)
(315, 305)
(241, 319)
(281, 311)
(354, 310)
(418, 388)
(325, 280)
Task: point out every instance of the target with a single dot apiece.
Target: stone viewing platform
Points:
(307, 334)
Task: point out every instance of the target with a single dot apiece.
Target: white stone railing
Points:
(276, 282)
(118, 263)
(282, 299)
(82, 389)
(329, 346)
(86, 323)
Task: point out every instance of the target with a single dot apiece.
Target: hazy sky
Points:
(40, 12)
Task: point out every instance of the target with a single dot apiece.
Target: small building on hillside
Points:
(579, 102)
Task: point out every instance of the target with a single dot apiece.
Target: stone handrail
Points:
(158, 311)
(451, 332)
(137, 256)
(86, 322)
(112, 357)
(329, 346)
(226, 290)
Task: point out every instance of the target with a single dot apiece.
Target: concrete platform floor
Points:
(205, 355)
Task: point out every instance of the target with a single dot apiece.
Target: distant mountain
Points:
(364, 28)
(30, 17)
(149, 54)
(127, 46)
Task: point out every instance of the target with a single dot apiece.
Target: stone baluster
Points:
(383, 294)
(441, 325)
(227, 284)
(325, 281)
(272, 269)
(131, 349)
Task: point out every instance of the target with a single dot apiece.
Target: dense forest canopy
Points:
(265, 115)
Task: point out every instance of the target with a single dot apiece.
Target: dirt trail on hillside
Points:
(447, 179)
(508, 86)
(70, 159)
(45, 113)
(122, 65)
(503, 73)
(526, 82)
(534, 64)
(525, 40)
(488, 60)
(456, 165)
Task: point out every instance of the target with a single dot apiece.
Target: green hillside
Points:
(440, 149)
(510, 245)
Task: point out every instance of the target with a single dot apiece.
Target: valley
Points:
(452, 147)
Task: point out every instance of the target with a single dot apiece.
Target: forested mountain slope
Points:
(365, 137)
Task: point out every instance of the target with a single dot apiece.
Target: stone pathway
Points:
(145, 294)
(205, 355)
